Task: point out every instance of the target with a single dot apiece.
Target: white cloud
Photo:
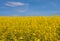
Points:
(22, 10)
(14, 4)
(20, 7)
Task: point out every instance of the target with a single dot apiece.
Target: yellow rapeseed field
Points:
(29, 28)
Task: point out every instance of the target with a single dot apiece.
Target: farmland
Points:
(30, 28)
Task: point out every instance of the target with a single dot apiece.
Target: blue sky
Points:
(29, 7)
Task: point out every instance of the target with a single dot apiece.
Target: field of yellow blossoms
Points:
(29, 28)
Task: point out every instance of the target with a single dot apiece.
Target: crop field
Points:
(29, 28)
